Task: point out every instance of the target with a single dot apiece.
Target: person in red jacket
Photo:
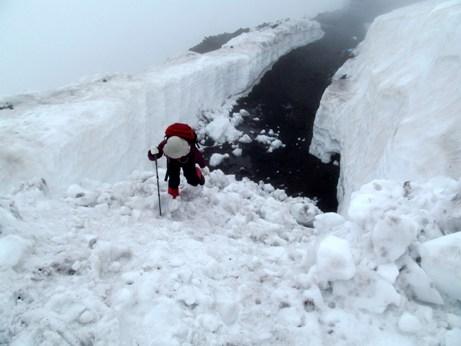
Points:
(180, 153)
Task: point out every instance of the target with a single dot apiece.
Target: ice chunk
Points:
(263, 139)
(326, 222)
(236, 119)
(87, 316)
(375, 294)
(272, 143)
(419, 284)
(388, 272)
(440, 259)
(392, 235)
(245, 139)
(276, 144)
(334, 259)
(237, 152)
(216, 159)
(9, 215)
(304, 213)
(244, 113)
(163, 322)
(13, 249)
(221, 130)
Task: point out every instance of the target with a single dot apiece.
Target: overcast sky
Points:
(49, 43)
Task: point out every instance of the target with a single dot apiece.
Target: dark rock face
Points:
(211, 43)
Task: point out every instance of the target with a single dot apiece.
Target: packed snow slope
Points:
(102, 129)
(394, 110)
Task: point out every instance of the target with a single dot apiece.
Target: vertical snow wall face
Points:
(102, 129)
(394, 111)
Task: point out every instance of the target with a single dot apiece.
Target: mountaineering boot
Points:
(200, 176)
(174, 192)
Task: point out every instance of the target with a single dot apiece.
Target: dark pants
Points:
(188, 169)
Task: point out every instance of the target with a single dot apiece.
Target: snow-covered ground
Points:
(102, 129)
(394, 110)
(230, 263)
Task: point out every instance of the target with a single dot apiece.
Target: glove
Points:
(205, 171)
(154, 151)
(200, 176)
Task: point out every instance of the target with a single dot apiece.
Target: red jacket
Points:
(194, 154)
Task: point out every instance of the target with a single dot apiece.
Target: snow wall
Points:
(394, 110)
(101, 129)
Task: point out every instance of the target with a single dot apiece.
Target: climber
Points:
(180, 149)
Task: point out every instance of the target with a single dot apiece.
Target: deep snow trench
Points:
(283, 107)
(231, 262)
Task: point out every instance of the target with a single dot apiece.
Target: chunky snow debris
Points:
(229, 262)
(393, 110)
(102, 129)
(112, 272)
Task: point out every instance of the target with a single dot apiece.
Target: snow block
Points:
(440, 259)
(334, 260)
(13, 249)
(413, 278)
(396, 114)
(392, 235)
(327, 222)
(409, 323)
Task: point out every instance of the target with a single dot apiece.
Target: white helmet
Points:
(176, 147)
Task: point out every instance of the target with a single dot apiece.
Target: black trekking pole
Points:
(158, 189)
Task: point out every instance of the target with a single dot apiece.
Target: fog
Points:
(49, 43)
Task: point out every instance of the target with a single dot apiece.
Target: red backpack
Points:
(181, 130)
